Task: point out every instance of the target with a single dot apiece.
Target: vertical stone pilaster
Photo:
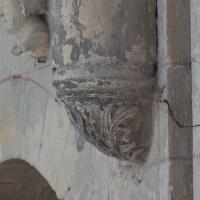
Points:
(174, 61)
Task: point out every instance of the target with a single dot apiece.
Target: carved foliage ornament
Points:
(118, 125)
(104, 53)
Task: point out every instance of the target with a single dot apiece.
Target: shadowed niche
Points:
(20, 181)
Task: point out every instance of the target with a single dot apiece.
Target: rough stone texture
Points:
(18, 180)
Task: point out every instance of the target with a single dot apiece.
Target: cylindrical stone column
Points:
(105, 57)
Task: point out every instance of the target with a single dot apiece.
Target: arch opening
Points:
(21, 181)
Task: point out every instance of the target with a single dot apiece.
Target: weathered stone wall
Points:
(34, 127)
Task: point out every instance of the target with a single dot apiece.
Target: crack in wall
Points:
(172, 115)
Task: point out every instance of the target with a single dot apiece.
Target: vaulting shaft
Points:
(105, 55)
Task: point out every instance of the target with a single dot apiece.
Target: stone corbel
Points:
(105, 55)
